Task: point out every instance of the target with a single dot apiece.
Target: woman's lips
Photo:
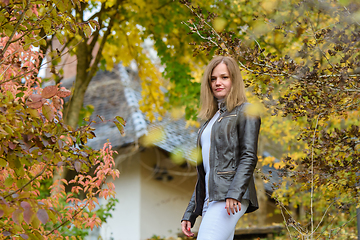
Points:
(219, 89)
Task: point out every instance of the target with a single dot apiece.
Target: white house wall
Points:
(125, 221)
(147, 206)
(163, 202)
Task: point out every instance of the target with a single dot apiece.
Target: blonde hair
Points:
(236, 96)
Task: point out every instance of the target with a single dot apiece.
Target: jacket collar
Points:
(222, 107)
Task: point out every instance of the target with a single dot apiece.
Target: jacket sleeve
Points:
(250, 125)
(189, 214)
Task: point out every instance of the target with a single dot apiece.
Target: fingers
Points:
(232, 206)
(227, 207)
(186, 228)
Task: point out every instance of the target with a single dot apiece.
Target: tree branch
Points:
(22, 187)
(67, 221)
(94, 66)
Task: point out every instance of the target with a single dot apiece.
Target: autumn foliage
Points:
(301, 60)
(35, 142)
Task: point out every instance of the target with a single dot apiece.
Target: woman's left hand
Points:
(232, 205)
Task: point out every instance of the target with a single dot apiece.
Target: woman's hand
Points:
(186, 228)
(232, 205)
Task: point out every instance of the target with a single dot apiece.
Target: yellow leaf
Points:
(176, 113)
(155, 135)
(195, 156)
(255, 109)
(177, 156)
(219, 24)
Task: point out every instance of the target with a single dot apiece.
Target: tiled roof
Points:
(117, 94)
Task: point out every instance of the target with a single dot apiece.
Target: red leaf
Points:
(12, 145)
(24, 236)
(57, 103)
(42, 216)
(35, 97)
(63, 93)
(35, 101)
(48, 112)
(25, 205)
(28, 213)
(4, 2)
(16, 216)
(49, 91)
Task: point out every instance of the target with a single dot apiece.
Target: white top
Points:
(205, 149)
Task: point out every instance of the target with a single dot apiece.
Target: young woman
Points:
(225, 188)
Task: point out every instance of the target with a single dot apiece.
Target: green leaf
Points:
(9, 181)
(48, 112)
(3, 163)
(14, 162)
(20, 94)
(121, 120)
(120, 127)
(52, 216)
(94, 24)
(60, 37)
(36, 222)
(87, 30)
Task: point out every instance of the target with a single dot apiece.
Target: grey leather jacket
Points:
(233, 158)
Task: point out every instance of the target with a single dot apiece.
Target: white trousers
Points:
(216, 223)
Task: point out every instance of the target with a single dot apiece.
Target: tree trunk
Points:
(71, 115)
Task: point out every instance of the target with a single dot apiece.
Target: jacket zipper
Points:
(225, 172)
(226, 117)
(211, 138)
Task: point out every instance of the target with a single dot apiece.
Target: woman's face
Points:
(220, 81)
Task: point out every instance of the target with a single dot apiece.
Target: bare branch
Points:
(317, 44)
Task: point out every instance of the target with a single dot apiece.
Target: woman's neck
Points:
(220, 101)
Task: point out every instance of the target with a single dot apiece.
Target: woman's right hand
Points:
(186, 228)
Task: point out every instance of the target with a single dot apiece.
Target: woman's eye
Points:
(225, 77)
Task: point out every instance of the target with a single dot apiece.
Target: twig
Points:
(22, 187)
(65, 222)
(4, 72)
(351, 15)
(201, 36)
(24, 46)
(317, 44)
(344, 225)
(324, 215)
(25, 73)
(282, 213)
